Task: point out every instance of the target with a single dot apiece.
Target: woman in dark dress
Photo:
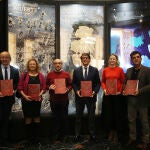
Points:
(32, 85)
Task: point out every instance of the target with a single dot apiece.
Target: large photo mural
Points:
(31, 32)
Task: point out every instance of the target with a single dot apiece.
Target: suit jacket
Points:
(93, 75)
(14, 74)
(144, 85)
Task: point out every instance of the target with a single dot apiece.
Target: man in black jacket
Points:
(85, 73)
(139, 101)
(6, 72)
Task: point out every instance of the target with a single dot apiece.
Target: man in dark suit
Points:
(139, 101)
(85, 73)
(6, 72)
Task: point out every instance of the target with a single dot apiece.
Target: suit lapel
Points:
(89, 72)
(130, 73)
(81, 73)
(11, 72)
(1, 75)
(140, 72)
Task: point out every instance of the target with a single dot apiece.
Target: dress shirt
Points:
(3, 71)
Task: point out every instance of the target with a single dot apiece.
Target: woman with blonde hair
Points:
(32, 85)
(111, 101)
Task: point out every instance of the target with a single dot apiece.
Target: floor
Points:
(67, 144)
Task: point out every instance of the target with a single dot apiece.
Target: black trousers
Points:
(114, 113)
(80, 106)
(5, 110)
(60, 114)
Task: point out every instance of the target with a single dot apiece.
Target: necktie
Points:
(6, 74)
(85, 73)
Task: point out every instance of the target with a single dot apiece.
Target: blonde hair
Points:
(37, 64)
(116, 56)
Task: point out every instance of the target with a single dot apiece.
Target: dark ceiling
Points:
(129, 13)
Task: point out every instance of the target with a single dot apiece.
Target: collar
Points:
(85, 66)
(58, 71)
(5, 66)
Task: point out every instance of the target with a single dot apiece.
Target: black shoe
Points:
(77, 138)
(131, 142)
(6, 144)
(143, 146)
(93, 138)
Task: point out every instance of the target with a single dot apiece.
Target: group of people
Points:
(137, 103)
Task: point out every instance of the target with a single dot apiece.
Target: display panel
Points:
(81, 30)
(127, 39)
(31, 33)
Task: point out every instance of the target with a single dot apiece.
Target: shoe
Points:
(111, 136)
(59, 138)
(6, 144)
(77, 138)
(79, 146)
(115, 139)
(93, 138)
(142, 146)
(131, 142)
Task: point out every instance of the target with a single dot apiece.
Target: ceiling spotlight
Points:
(140, 20)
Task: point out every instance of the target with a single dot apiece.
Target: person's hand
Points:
(136, 93)
(1, 95)
(124, 93)
(105, 92)
(28, 98)
(93, 93)
(52, 87)
(67, 90)
(118, 93)
(78, 93)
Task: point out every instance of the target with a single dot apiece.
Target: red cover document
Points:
(34, 91)
(6, 87)
(86, 88)
(131, 86)
(111, 86)
(60, 86)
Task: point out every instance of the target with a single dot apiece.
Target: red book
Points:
(131, 86)
(86, 88)
(60, 86)
(111, 86)
(34, 91)
(6, 87)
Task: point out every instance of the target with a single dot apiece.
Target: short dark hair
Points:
(134, 53)
(86, 54)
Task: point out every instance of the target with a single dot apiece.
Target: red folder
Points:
(111, 86)
(6, 87)
(131, 86)
(34, 91)
(86, 88)
(60, 86)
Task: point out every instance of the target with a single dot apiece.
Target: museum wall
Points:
(47, 29)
